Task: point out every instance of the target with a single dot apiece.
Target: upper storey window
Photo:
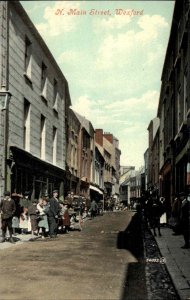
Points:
(28, 58)
(44, 81)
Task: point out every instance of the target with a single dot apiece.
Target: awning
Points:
(96, 189)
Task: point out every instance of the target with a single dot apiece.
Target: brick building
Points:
(86, 155)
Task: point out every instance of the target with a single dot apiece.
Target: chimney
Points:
(99, 136)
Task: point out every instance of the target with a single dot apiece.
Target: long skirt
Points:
(43, 223)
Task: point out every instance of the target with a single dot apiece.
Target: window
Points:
(28, 58)
(55, 95)
(54, 145)
(42, 137)
(178, 109)
(44, 81)
(185, 95)
(26, 125)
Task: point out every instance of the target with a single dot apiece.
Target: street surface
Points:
(91, 264)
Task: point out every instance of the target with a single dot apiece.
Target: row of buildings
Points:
(132, 184)
(167, 159)
(44, 144)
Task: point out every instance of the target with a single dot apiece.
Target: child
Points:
(23, 224)
(33, 213)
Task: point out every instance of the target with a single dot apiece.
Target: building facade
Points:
(153, 161)
(86, 155)
(33, 135)
(174, 106)
(72, 161)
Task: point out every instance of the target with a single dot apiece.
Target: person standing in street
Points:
(185, 220)
(7, 209)
(53, 214)
(25, 201)
(93, 208)
(33, 213)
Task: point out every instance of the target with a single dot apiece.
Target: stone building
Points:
(33, 135)
(174, 105)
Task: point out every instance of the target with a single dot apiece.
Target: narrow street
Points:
(78, 265)
(106, 260)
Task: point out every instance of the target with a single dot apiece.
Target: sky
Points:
(112, 55)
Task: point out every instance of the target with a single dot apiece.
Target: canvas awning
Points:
(94, 188)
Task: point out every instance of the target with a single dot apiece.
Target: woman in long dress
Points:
(43, 208)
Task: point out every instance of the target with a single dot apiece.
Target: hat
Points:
(27, 193)
(7, 193)
(55, 191)
(46, 195)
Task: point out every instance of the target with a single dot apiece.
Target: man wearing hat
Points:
(25, 201)
(53, 214)
(7, 209)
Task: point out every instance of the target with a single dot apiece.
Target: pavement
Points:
(177, 260)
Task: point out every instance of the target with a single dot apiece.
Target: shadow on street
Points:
(131, 239)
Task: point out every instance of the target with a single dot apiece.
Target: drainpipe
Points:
(5, 95)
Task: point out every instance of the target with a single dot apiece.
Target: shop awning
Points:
(96, 189)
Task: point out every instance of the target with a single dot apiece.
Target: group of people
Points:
(154, 208)
(43, 216)
(179, 221)
(180, 218)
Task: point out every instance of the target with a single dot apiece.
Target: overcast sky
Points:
(113, 62)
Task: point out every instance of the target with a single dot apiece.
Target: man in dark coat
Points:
(25, 202)
(7, 209)
(53, 214)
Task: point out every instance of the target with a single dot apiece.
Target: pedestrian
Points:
(175, 215)
(93, 208)
(185, 219)
(23, 221)
(33, 213)
(7, 209)
(65, 218)
(163, 218)
(69, 199)
(15, 221)
(53, 214)
(43, 209)
(156, 212)
(25, 201)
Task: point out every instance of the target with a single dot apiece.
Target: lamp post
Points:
(5, 97)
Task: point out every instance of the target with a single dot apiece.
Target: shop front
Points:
(29, 173)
